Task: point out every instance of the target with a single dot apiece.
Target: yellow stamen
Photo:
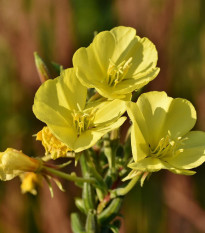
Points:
(83, 120)
(166, 147)
(116, 73)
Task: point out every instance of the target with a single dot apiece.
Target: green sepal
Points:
(108, 179)
(88, 197)
(114, 229)
(76, 224)
(58, 68)
(41, 68)
(47, 179)
(100, 194)
(91, 222)
(80, 204)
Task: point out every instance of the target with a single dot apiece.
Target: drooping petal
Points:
(148, 164)
(154, 164)
(192, 153)
(88, 138)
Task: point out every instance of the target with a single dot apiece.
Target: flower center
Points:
(83, 121)
(166, 147)
(116, 73)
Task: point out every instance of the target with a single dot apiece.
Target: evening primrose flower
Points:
(14, 163)
(116, 63)
(52, 145)
(161, 136)
(61, 104)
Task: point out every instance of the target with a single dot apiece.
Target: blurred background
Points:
(55, 29)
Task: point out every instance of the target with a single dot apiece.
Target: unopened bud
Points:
(41, 68)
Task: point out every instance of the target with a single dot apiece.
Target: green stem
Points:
(69, 177)
(123, 191)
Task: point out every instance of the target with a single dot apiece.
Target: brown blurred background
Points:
(55, 29)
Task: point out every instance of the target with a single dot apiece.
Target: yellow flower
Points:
(161, 136)
(116, 63)
(14, 162)
(61, 104)
(30, 181)
(52, 145)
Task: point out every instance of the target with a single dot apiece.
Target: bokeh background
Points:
(55, 29)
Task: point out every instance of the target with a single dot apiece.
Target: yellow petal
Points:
(191, 153)
(90, 137)
(109, 110)
(139, 133)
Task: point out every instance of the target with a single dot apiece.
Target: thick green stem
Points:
(88, 195)
(67, 176)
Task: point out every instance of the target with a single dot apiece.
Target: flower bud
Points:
(41, 68)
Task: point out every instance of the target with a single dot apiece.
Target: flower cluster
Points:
(84, 107)
(117, 63)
